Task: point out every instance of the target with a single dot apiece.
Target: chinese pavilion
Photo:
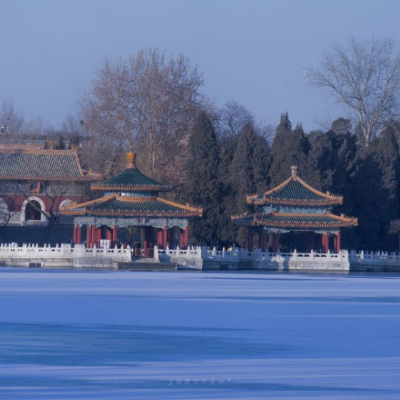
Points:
(295, 206)
(131, 200)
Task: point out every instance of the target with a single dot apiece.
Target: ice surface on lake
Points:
(137, 335)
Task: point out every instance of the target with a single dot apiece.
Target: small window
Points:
(35, 187)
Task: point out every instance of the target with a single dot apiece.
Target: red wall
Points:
(20, 199)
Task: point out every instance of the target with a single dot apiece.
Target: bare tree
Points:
(233, 117)
(146, 104)
(7, 210)
(11, 119)
(73, 125)
(365, 78)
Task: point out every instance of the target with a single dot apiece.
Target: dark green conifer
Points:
(248, 174)
(203, 186)
(289, 147)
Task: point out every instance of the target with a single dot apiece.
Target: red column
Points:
(88, 236)
(165, 237)
(326, 242)
(94, 238)
(310, 245)
(260, 235)
(186, 238)
(74, 234)
(180, 238)
(98, 230)
(114, 234)
(79, 234)
(159, 237)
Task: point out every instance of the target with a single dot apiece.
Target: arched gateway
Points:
(131, 200)
(295, 206)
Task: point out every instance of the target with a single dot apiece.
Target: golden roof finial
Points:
(294, 171)
(130, 160)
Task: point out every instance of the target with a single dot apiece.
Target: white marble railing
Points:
(259, 256)
(65, 251)
(375, 258)
(190, 253)
(236, 255)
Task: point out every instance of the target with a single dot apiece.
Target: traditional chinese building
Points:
(131, 199)
(34, 180)
(295, 206)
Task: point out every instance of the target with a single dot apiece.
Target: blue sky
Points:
(249, 51)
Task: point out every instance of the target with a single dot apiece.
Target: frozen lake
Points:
(138, 335)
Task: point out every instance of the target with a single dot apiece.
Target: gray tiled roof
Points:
(41, 165)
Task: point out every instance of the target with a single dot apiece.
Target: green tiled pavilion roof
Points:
(39, 164)
(131, 179)
(116, 205)
(296, 221)
(295, 191)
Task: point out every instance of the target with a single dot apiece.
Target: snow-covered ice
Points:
(138, 335)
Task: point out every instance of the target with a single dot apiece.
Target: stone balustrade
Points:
(64, 255)
(313, 256)
(203, 257)
(194, 257)
(378, 258)
(238, 254)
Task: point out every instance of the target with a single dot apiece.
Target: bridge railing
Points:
(236, 254)
(33, 251)
(313, 256)
(375, 258)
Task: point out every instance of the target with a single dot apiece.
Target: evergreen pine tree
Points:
(369, 199)
(203, 186)
(242, 173)
(227, 228)
(248, 174)
(289, 147)
(330, 158)
(261, 165)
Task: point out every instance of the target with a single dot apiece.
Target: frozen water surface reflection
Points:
(125, 335)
